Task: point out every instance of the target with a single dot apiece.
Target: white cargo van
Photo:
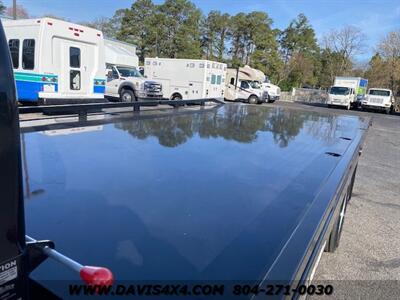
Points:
(242, 85)
(346, 91)
(187, 78)
(124, 80)
(54, 59)
(379, 99)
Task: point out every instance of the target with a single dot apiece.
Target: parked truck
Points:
(378, 99)
(201, 209)
(242, 84)
(346, 91)
(55, 60)
(187, 78)
(273, 91)
(124, 80)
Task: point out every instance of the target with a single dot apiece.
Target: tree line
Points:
(292, 57)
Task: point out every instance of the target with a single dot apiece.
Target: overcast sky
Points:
(375, 18)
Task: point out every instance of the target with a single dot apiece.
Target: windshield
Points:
(129, 72)
(379, 93)
(337, 90)
(254, 84)
(267, 80)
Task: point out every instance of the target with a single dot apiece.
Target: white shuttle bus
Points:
(56, 60)
(187, 78)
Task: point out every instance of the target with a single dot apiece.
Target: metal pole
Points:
(54, 254)
(14, 9)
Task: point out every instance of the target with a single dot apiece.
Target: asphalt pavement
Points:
(367, 263)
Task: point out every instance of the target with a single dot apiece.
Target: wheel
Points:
(253, 99)
(329, 105)
(336, 233)
(176, 97)
(271, 101)
(127, 96)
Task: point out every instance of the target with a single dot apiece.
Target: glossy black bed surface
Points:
(212, 195)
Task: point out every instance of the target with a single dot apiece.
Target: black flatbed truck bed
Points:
(231, 194)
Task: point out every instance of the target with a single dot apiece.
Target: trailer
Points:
(55, 60)
(124, 80)
(201, 210)
(187, 78)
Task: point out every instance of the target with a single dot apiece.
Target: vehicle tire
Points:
(127, 96)
(270, 101)
(176, 97)
(329, 106)
(334, 238)
(253, 99)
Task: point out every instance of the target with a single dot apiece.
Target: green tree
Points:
(179, 23)
(300, 53)
(215, 32)
(138, 27)
(2, 7)
(109, 26)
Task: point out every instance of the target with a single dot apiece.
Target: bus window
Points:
(28, 54)
(75, 80)
(14, 50)
(74, 57)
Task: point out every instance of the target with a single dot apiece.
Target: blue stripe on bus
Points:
(29, 90)
(99, 89)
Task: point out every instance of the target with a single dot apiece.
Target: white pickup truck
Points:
(128, 84)
(274, 91)
(379, 99)
(124, 80)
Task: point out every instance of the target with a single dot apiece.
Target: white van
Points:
(378, 99)
(54, 59)
(187, 78)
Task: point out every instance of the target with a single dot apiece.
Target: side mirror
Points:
(109, 74)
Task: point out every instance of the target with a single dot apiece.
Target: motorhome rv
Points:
(243, 84)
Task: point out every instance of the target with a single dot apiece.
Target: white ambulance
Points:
(56, 60)
(187, 78)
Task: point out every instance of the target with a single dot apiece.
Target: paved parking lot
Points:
(367, 262)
